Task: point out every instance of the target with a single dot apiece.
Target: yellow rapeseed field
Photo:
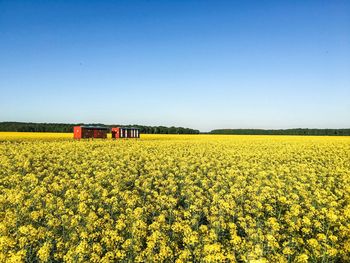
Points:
(174, 198)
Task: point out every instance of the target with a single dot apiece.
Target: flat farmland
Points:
(174, 198)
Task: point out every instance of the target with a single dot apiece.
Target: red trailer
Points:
(81, 132)
(125, 132)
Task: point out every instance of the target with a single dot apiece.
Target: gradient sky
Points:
(198, 64)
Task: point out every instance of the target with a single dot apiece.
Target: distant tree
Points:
(330, 132)
(67, 127)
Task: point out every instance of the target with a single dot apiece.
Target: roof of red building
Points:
(94, 127)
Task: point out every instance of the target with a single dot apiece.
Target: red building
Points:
(125, 132)
(81, 132)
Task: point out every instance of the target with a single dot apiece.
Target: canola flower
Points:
(174, 198)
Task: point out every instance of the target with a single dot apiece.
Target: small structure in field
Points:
(81, 132)
(125, 132)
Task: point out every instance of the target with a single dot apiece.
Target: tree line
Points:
(299, 131)
(64, 127)
(68, 127)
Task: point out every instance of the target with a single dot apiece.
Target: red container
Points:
(81, 132)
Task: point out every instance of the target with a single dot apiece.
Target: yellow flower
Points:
(303, 258)
(44, 252)
(174, 198)
(287, 251)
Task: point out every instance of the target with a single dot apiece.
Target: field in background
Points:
(44, 136)
(12, 136)
(180, 198)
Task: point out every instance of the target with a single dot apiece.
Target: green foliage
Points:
(328, 132)
(68, 127)
(64, 127)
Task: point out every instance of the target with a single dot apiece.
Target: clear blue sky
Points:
(199, 64)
